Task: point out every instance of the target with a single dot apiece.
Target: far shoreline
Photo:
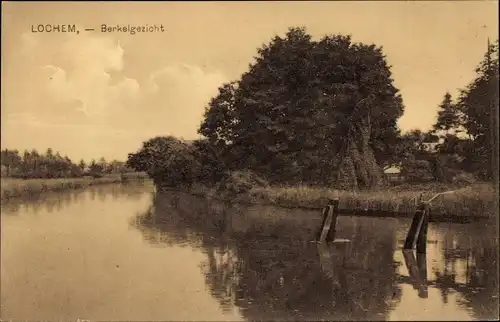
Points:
(18, 188)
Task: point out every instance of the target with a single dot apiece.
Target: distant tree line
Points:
(325, 113)
(52, 165)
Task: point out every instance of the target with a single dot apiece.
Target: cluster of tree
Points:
(465, 132)
(318, 112)
(314, 112)
(49, 165)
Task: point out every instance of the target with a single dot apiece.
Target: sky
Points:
(96, 93)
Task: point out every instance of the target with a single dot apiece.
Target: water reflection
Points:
(470, 267)
(86, 262)
(56, 201)
(262, 261)
(417, 268)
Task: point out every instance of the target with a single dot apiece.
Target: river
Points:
(120, 252)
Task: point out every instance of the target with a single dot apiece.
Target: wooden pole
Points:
(330, 214)
(325, 225)
(422, 233)
(416, 224)
(335, 209)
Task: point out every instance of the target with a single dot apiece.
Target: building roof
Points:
(392, 170)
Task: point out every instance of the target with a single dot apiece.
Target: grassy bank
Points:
(13, 188)
(479, 199)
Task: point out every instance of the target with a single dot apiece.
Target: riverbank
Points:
(14, 188)
(477, 200)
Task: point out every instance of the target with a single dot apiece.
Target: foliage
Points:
(324, 113)
(288, 116)
(82, 165)
(49, 165)
(239, 182)
(416, 142)
(211, 166)
(10, 160)
(95, 169)
(448, 116)
(168, 161)
(417, 170)
(479, 105)
(475, 114)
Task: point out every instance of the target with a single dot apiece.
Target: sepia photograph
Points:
(249, 161)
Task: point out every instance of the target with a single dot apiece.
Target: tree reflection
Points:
(273, 271)
(10, 208)
(469, 267)
(476, 249)
(56, 201)
(261, 260)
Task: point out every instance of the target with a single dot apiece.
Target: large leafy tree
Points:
(363, 105)
(313, 111)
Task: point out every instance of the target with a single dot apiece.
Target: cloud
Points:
(178, 94)
(85, 75)
(88, 70)
(78, 85)
(186, 75)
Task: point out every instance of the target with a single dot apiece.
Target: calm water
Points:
(119, 252)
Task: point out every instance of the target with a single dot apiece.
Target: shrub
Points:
(168, 161)
(417, 171)
(239, 182)
(96, 175)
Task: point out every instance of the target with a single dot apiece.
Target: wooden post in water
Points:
(326, 221)
(417, 235)
(330, 214)
(422, 235)
(335, 209)
(417, 224)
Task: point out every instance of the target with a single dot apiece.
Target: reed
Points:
(134, 176)
(478, 199)
(14, 188)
